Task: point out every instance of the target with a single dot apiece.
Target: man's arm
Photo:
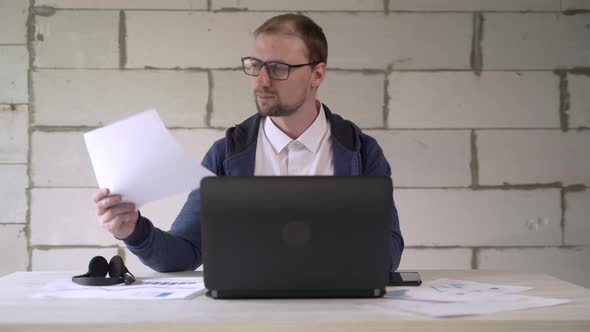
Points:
(176, 250)
(375, 164)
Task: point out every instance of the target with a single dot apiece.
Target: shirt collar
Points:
(311, 137)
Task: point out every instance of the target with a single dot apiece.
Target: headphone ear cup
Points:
(116, 267)
(98, 267)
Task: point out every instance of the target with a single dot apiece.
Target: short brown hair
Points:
(312, 34)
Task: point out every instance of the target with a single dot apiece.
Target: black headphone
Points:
(98, 269)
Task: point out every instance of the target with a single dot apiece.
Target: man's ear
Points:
(318, 75)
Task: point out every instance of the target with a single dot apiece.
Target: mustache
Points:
(264, 92)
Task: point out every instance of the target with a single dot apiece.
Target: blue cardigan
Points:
(179, 249)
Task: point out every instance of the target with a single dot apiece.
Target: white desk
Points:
(20, 312)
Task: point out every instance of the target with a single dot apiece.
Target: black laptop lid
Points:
(288, 236)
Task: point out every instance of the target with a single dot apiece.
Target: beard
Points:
(278, 108)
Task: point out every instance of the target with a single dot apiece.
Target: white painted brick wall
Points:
(77, 39)
(540, 156)
(13, 198)
(464, 100)
(353, 5)
(357, 97)
(13, 16)
(575, 4)
(463, 217)
(535, 41)
(14, 62)
(13, 249)
(436, 259)
(572, 265)
(196, 142)
(201, 39)
(14, 138)
(577, 218)
(98, 97)
(125, 4)
(60, 159)
(425, 158)
(66, 216)
(406, 41)
(475, 5)
(233, 98)
(579, 112)
(75, 260)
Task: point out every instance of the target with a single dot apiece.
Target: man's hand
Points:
(117, 218)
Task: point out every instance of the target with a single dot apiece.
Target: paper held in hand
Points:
(138, 158)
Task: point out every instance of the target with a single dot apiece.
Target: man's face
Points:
(282, 97)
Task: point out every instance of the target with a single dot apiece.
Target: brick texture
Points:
(436, 259)
(66, 216)
(14, 139)
(201, 39)
(568, 264)
(13, 15)
(404, 41)
(13, 198)
(528, 157)
(77, 39)
(426, 158)
(68, 259)
(98, 97)
(13, 246)
(535, 41)
(474, 5)
(579, 112)
(14, 62)
(577, 218)
(125, 4)
(353, 5)
(479, 218)
(463, 100)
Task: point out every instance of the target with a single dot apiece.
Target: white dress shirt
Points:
(309, 154)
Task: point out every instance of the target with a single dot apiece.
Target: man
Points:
(292, 134)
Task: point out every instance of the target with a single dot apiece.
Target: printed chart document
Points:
(142, 289)
(139, 159)
(448, 298)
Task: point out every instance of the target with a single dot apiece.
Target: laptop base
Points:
(276, 294)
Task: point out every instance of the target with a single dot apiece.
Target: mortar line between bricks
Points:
(13, 164)
(13, 44)
(12, 223)
(474, 258)
(82, 129)
(326, 11)
(30, 25)
(562, 221)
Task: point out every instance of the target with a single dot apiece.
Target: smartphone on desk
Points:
(404, 279)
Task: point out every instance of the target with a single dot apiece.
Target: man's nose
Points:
(263, 79)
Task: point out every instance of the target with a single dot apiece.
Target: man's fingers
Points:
(102, 193)
(119, 220)
(106, 203)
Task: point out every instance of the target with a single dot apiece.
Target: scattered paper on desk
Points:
(139, 159)
(447, 298)
(142, 289)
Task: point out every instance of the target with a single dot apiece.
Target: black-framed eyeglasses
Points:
(276, 70)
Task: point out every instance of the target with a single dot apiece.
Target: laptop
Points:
(295, 236)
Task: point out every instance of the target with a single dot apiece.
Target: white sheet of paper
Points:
(142, 289)
(502, 302)
(446, 290)
(139, 159)
(447, 298)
